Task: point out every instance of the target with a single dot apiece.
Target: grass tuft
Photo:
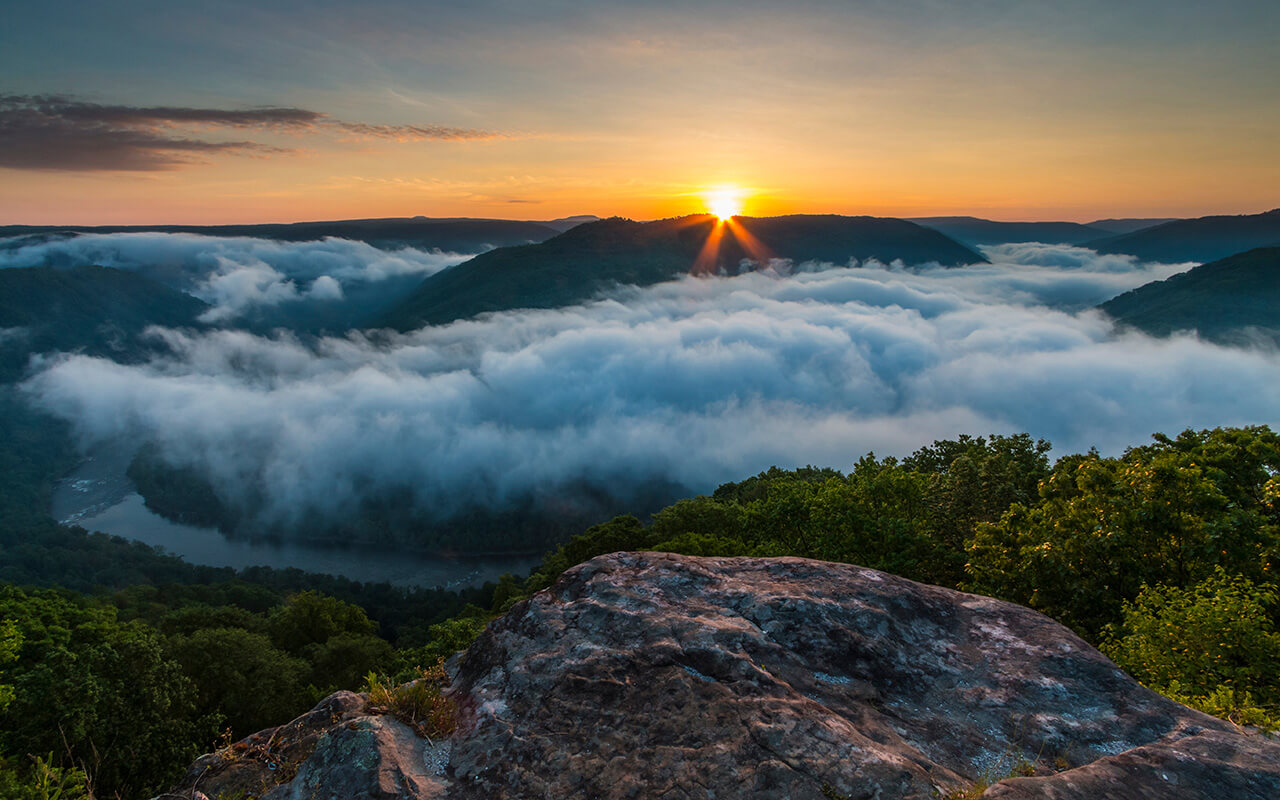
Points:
(421, 704)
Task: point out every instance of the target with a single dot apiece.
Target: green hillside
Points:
(95, 310)
(1202, 239)
(974, 231)
(578, 264)
(1227, 300)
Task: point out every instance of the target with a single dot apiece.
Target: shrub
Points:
(1213, 646)
(421, 704)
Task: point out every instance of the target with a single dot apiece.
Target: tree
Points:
(308, 618)
(345, 659)
(1214, 643)
(99, 694)
(242, 677)
(1104, 527)
(10, 644)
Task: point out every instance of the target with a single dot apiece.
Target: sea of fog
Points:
(698, 381)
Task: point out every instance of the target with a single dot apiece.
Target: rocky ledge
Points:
(647, 675)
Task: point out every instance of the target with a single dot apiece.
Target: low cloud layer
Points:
(238, 275)
(49, 132)
(698, 381)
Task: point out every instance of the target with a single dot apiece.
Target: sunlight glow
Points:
(724, 202)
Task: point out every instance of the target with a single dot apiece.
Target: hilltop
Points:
(1201, 239)
(974, 231)
(1117, 226)
(1223, 300)
(587, 259)
(457, 235)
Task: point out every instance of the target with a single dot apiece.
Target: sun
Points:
(724, 202)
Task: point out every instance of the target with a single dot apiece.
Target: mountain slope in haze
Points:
(583, 261)
(423, 233)
(1236, 299)
(1202, 239)
(99, 311)
(565, 223)
(974, 231)
(1118, 226)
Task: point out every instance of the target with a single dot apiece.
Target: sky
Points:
(150, 111)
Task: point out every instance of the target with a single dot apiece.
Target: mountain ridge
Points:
(1231, 300)
(454, 234)
(974, 231)
(1200, 239)
(578, 264)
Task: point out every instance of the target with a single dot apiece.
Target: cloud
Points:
(415, 133)
(240, 275)
(696, 381)
(48, 132)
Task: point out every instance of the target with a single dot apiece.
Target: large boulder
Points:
(642, 675)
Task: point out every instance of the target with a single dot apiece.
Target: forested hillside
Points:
(1233, 300)
(578, 264)
(98, 311)
(1165, 557)
(1201, 239)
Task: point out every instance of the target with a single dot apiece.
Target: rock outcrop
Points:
(645, 675)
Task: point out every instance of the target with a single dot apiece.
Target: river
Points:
(98, 496)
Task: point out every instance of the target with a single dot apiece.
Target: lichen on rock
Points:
(644, 675)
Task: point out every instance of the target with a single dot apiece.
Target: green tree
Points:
(344, 660)
(1214, 645)
(98, 693)
(242, 677)
(618, 534)
(10, 644)
(309, 618)
(1105, 527)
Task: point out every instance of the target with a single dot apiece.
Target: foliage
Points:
(1214, 645)
(342, 661)
(619, 533)
(1170, 512)
(1230, 704)
(10, 644)
(100, 693)
(420, 703)
(447, 638)
(310, 618)
(242, 677)
(40, 780)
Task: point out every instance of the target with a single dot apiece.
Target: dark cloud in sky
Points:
(48, 132)
(414, 133)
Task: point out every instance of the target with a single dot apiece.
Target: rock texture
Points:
(642, 675)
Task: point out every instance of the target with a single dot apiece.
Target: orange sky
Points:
(1077, 112)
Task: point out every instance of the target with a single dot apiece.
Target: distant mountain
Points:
(456, 235)
(579, 263)
(1202, 239)
(974, 231)
(1129, 224)
(94, 310)
(565, 223)
(1232, 300)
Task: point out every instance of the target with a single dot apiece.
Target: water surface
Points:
(98, 496)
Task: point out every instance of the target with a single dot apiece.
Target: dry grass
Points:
(421, 704)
